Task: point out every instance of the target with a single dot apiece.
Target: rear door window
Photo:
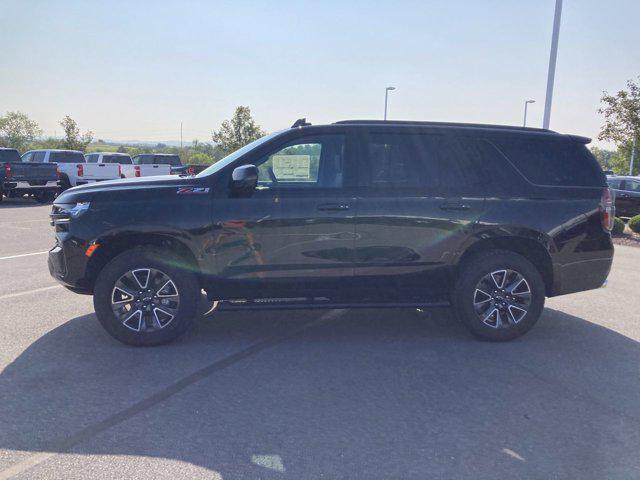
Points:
(553, 162)
(397, 161)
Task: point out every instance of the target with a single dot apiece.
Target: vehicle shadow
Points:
(19, 203)
(400, 394)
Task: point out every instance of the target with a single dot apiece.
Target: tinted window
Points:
(121, 159)
(173, 160)
(91, 158)
(66, 157)
(395, 161)
(553, 162)
(9, 156)
(632, 186)
(614, 183)
(316, 161)
(38, 157)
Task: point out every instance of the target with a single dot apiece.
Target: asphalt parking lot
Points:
(339, 394)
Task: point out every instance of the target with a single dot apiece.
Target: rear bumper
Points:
(50, 185)
(583, 275)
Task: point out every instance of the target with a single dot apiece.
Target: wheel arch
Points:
(533, 250)
(116, 245)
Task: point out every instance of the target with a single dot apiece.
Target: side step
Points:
(320, 303)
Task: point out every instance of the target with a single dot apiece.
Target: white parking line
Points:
(37, 290)
(23, 255)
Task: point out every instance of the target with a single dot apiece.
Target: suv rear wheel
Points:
(499, 295)
(143, 297)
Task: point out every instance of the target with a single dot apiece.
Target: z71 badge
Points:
(192, 190)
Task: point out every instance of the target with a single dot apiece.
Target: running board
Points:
(307, 304)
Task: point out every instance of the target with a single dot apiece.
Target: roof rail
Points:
(301, 122)
(443, 124)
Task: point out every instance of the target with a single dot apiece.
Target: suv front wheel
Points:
(144, 297)
(499, 295)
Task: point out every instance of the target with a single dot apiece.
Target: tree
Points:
(622, 117)
(237, 132)
(17, 130)
(72, 138)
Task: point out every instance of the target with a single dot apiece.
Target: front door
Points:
(419, 198)
(295, 234)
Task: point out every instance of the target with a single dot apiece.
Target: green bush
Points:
(618, 226)
(634, 224)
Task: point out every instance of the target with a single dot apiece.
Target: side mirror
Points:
(244, 179)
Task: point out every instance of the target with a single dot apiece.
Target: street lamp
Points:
(526, 104)
(553, 56)
(386, 99)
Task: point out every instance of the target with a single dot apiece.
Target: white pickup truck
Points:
(72, 167)
(127, 168)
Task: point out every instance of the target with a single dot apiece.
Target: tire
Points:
(152, 326)
(65, 184)
(484, 312)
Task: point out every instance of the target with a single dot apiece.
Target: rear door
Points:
(419, 196)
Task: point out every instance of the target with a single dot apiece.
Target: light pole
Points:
(526, 104)
(552, 64)
(386, 99)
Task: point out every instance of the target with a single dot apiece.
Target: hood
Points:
(127, 187)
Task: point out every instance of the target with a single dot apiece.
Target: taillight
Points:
(137, 170)
(7, 170)
(119, 170)
(607, 209)
(191, 171)
(57, 171)
(80, 170)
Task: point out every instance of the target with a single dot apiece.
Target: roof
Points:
(108, 153)
(442, 124)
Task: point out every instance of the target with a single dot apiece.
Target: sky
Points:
(133, 70)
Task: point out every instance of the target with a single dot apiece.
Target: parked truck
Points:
(18, 179)
(72, 167)
(127, 168)
(177, 168)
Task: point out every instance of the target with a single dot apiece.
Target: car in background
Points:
(72, 167)
(18, 179)
(127, 168)
(626, 190)
(177, 168)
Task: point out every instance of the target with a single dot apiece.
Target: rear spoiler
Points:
(579, 139)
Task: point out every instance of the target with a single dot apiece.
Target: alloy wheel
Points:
(145, 299)
(502, 298)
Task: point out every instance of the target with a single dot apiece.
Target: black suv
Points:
(487, 219)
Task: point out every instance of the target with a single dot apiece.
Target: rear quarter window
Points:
(553, 162)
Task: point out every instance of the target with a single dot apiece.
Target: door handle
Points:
(454, 206)
(332, 207)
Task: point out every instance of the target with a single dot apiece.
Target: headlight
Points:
(63, 212)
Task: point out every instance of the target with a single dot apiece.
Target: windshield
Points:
(220, 164)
